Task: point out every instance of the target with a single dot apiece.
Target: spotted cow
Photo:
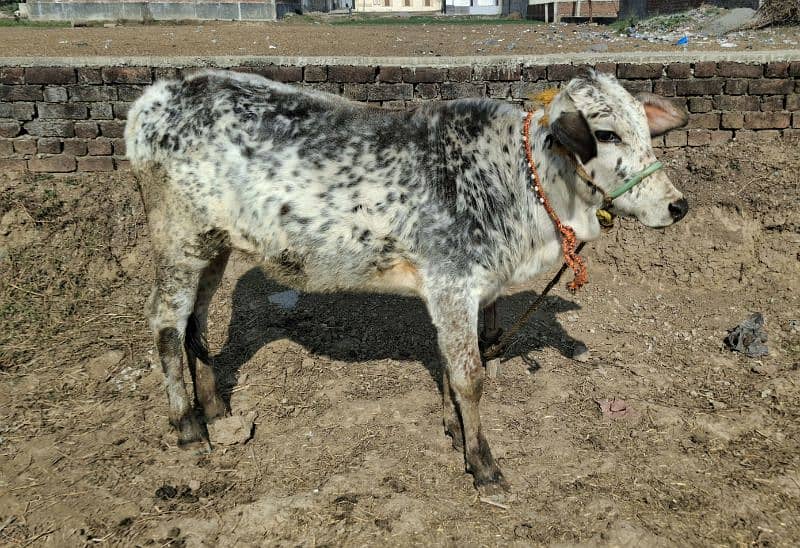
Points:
(334, 195)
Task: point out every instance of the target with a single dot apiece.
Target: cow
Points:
(330, 195)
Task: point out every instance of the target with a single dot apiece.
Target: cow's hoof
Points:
(192, 436)
(215, 409)
(494, 484)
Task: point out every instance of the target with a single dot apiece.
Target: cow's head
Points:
(609, 132)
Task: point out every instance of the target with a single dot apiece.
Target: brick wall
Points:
(64, 119)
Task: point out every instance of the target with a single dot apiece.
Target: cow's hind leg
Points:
(169, 308)
(455, 315)
(197, 354)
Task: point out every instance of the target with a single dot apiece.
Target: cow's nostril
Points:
(678, 209)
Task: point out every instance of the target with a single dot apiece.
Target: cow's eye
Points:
(607, 136)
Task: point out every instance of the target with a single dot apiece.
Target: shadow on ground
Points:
(355, 327)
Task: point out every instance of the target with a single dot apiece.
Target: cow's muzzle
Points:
(678, 209)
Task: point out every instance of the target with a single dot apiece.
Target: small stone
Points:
(580, 353)
(100, 367)
(194, 485)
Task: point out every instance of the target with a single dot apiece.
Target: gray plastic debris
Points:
(749, 337)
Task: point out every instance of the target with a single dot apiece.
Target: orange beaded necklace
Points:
(569, 242)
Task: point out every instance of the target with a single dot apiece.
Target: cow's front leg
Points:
(455, 316)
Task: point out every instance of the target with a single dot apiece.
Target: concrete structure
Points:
(148, 10)
(394, 6)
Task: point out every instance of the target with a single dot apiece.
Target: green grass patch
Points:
(28, 23)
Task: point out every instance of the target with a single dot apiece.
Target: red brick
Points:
(698, 137)
(50, 128)
(122, 164)
(494, 73)
(50, 75)
(606, 68)
(62, 111)
(721, 137)
(638, 86)
(17, 111)
(75, 147)
(777, 70)
(794, 68)
(675, 138)
(736, 86)
(55, 94)
(679, 70)
(93, 93)
(356, 92)
(315, 73)
(739, 70)
(796, 119)
(279, 73)
(791, 133)
(101, 111)
(770, 87)
(459, 74)
(459, 90)
(99, 147)
(128, 93)
(527, 90)
(700, 104)
(757, 136)
(119, 146)
(9, 129)
(89, 76)
(705, 69)
(96, 163)
(735, 102)
(772, 103)
(393, 75)
(13, 165)
(499, 90)
(166, 73)
(52, 164)
(766, 120)
(562, 72)
(424, 75)
(12, 75)
(20, 93)
(665, 88)
(351, 74)
(709, 120)
(6, 148)
(426, 91)
(127, 75)
(86, 130)
(537, 72)
(112, 128)
(25, 145)
(699, 87)
(394, 105)
(657, 142)
(793, 102)
(732, 120)
(121, 109)
(639, 70)
(49, 145)
(390, 92)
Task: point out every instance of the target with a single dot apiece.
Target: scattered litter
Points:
(491, 502)
(614, 408)
(285, 299)
(682, 41)
(234, 430)
(749, 337)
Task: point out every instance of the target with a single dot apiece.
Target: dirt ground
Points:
(324, 36)
(348, 446)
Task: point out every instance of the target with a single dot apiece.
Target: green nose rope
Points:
(605, 217)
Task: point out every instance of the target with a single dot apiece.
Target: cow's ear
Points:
(571, 130)
(662, 114)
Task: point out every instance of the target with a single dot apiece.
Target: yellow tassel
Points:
(545, 97)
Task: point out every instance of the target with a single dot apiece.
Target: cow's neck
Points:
(568, 193)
